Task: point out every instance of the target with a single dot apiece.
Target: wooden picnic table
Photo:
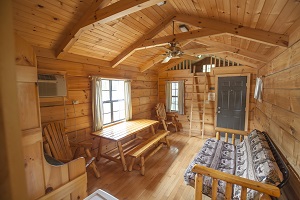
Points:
(120, 131)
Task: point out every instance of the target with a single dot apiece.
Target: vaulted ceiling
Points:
(134, 32)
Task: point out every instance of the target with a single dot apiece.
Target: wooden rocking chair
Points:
(166, 118)
(60, 147)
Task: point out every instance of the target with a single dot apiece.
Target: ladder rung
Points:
(198, 111)
(195, 129)
(196, 120)
(201, 75)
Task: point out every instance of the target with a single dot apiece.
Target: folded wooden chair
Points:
(166, 118)
(61, 147)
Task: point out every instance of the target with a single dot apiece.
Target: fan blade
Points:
(188, 57)
(166, 59)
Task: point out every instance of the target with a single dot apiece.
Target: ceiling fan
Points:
(174, 51)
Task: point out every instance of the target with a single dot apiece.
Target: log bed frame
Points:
(266, 190)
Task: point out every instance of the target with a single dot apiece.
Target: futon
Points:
(255, 158)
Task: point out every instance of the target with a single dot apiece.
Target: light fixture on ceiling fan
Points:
(174, 50)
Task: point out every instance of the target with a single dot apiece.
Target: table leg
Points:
(99, 150)
(122, 155)
(152, 129)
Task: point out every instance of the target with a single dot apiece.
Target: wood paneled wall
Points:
(78, 118)
(279, 111)
(41, 177)
(210, 108)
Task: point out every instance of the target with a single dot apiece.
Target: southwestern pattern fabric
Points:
(215, 154)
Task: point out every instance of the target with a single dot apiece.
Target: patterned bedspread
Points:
(215, 154)
(251, 159)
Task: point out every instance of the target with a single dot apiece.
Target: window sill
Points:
(114, 123)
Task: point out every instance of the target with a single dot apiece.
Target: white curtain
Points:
(97, 105)
(258, 89)
(127, 99)
(181, 97)
(168, 96)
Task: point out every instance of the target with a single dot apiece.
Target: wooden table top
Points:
(120, 131)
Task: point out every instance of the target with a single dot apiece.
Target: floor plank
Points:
(163, 175)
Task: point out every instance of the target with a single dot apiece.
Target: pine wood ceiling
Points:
(250, 32)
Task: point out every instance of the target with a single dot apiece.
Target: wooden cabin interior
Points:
(149, 43)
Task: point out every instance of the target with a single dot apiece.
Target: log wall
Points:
(279, 112)
(78, 118)
(210, 108)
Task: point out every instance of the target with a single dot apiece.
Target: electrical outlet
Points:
(75, 102)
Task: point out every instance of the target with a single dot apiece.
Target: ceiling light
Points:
(183, 28)
(161, 3)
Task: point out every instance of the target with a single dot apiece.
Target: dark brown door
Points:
(231, 102)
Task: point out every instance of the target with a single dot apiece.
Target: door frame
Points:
(248, 75)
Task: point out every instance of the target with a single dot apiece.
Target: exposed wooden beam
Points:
(95, 16)
(129, 50)
(200, 51)
(178, 37)
(79, 27)
(170, 64)
(118, 10)
(151, 63)
(238, 30)
(226, 47)
(188, 57)
(239, 60)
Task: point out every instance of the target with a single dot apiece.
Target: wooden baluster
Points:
(233, 139)
(241, 138)
(244, 193)
(214, 188)
(198, 186)
(226, 137)
(218, 135)
(228, 191)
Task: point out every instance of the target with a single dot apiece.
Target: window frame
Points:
(208, 67)
(111, 102)
(177, 98)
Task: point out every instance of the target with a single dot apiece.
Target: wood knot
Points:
(293, 131)
(48, 190)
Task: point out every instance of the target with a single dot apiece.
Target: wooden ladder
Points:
(195, 100)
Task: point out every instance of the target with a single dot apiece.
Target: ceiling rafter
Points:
(205, 32)
(228, 56)
(129, 50)
(151, 63)
(171, 64)
(79, 28)
(233, 49)
(203, 51)
(95, 16)
(257, 35)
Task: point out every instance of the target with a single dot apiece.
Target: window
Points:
(113, 101)
(174, 101)
(207, 68)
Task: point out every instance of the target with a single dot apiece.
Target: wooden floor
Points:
(163, 178)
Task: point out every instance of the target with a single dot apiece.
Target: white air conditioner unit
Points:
(52, 85)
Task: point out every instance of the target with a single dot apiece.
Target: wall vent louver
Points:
(52, 85)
